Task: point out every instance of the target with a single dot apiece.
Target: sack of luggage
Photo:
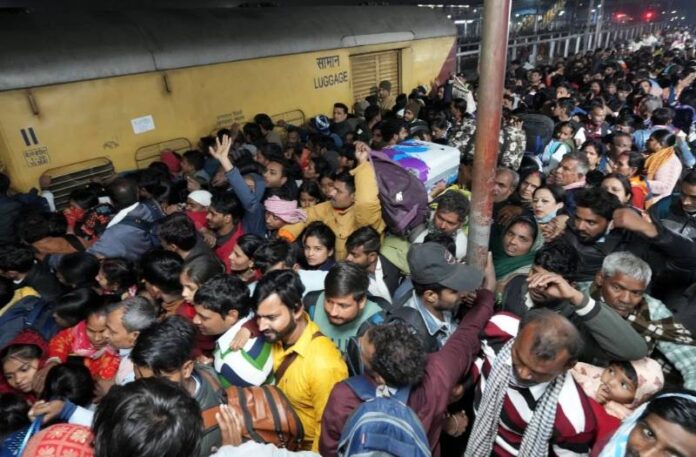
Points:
(402, 195)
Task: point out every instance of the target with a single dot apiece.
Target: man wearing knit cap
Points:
(386, 99)
(411, 116)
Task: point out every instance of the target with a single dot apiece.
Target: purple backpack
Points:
(402, 195)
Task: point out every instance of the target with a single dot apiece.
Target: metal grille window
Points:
(369, 69)
(70, 177)
(151, 153)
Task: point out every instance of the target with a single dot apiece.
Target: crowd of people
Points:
(249, 298)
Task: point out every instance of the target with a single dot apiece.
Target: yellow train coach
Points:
(87, 94)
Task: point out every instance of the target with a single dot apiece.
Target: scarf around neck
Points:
(505, 264)
(666, 330)
(656, 160)
(535, 441)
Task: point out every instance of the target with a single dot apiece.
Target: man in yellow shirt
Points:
(354, 203)
(306, 364)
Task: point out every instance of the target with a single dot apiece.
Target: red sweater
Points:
(226, 244)
(606, 426)
(429, 399)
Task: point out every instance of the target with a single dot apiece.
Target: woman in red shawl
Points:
(88, 340)
(20, 360)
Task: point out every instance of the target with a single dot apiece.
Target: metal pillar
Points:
(496, 14)
(600, 19)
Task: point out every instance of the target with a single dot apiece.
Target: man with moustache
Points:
(601, 226)
(306, 364)
(665, 425)
(606, 335)
(621, 284)
(526, 402)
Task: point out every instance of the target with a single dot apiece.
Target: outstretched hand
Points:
(48, 409)
(221, 151)
(489, 281)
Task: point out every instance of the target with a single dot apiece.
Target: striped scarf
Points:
(535, 441)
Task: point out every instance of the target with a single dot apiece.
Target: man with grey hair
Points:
(622, 284)
(570, 174)
(124, 322)
(506, 181)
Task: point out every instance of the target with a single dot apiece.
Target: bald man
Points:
(525, 395)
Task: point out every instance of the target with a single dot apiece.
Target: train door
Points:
(369, 69)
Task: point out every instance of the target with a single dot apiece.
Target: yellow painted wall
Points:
(84, 120)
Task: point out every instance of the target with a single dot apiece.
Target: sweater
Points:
(365, 211)
(341, 334)
(430, 398)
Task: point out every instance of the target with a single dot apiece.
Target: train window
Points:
(147, 154)
(294, 117)
(369, 69)
(67, 178)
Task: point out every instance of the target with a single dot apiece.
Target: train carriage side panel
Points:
(114, 117)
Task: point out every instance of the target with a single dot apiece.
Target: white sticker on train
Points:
(143, 124)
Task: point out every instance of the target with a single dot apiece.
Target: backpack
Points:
(150, 228)
(28, 313)
(382, 426)
(402, 195)
(268, 415)
(539, 131)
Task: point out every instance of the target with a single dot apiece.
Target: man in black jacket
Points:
(363, 247)
(601, 226)
(18, 264)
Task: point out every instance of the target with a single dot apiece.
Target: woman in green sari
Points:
(514, 250)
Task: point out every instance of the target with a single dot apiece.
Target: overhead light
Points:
(561, 13)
